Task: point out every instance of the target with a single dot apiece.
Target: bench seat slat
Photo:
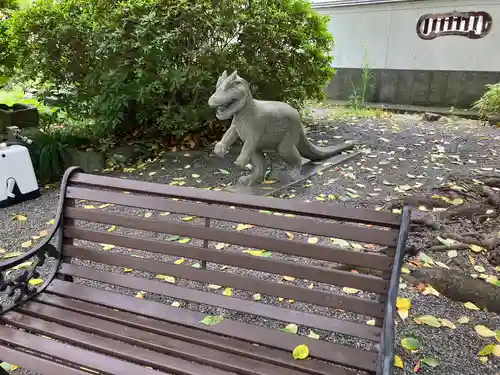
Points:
(38, 364)
(335, 211)
(194, 336)
(340, 354)
(302, 225)
(354, 304)
(236, 304)
(68, 353)
(165, 345)
(332, 254)
(104, 345)
(367, 283)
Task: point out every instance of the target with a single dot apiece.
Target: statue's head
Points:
(230, 96)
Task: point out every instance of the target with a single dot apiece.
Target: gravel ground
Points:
(396, 151)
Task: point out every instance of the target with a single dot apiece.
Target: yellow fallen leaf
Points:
(312, 240)
(257, 297)
(288, 278)
(429, 320)
(476, 248)
(214, 286)
(127, 270)
(241, 227)
(148, 214)
(165, 214)
(107, 246)
(290, 235)
(88, 207)
(492, 279)
(398, 362)
(152, 173)
(281, 299)
(405, 270)
(187, 218)
(350, 290)
(105, 205)
(430, 290)
(403, 303)
(35, 238)
(310, 286)
(43, 233)
(2, 250)
(471, 306)
(403, 314)
(258, 253)
(484, 331)
(12, 255)
(51, 222)
(184, 240)
(313, 335)
(112, 228)
(496, 351)
(290, 328)
(35, 282)
(483, 359)
(301, 352)
(447, 323)
(22, 265)
(463, 320)
(221, 245)
(175, 304)
(168, 279)
(479, 268)
(140, 294)
(19, 217)
(228, 292)
(179, 261)
(26, 244)
(371, 322)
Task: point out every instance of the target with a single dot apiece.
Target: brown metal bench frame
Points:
(25, 292)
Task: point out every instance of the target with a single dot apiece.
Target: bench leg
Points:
(205, 243)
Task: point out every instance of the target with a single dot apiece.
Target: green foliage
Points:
(357, 98)
(152, 64)
(17, 96)
(489, 103)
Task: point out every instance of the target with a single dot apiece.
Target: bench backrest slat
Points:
(354, 304)
(327, 253)
(302, 225)
(331, 211)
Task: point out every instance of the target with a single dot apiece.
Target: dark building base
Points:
(418, 87)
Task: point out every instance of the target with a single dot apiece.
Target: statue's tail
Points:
(314, 153)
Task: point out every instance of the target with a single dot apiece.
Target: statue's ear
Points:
(233, 76)
(221, 78)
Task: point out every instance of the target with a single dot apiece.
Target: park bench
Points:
(116, 310)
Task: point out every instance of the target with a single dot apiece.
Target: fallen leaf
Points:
(463, 320)
(447, 323)
(313, 335)
(479, 268)
(105, 205)
(312, 240)
(425, 258)
(228, 292)
(476, 248)
(27, 244)
(35, 282)
(224, 172)
(290, 235)
(214, 286)
(173, 238)
(288, 278)
(175, 304)
(88, 207)
(484, 331)
(241, 227)
(290, 328)
(107, 246)
(403, 303)
(429, 361)
(339, 242)
(429, 289)
(112, 228)
(19, 217)
(350, 290)
(259, 253)
(210, 320)
(152, 173)
(221, 245)
(8, 367)
(187, 218)
(168, 279)
(301, 352)
(257, 297)
(446, 241)
(398, 362)
(127, 270)
(483, 359)
(410, 343)
(429, 320)
(417, 367)
(12, 255)
(140, 295)
(471, 306)
(371, 322)
(184, 240)
(148, 214)
(43, 233)
(452, 254)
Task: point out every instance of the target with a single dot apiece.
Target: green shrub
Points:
(489, 103)
(152, 64)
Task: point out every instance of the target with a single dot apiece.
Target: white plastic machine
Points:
(17, 176)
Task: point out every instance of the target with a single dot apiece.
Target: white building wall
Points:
(389, 29)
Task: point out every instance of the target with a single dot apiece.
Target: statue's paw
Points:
(220, 150)
(247, 180)
(241, 162)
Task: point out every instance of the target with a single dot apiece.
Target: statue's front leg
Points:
(226, 141)
(249, 147)
(258, 162)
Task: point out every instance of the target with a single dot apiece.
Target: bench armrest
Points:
(15, 280)
(386, 354)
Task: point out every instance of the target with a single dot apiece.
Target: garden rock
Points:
(429, 116)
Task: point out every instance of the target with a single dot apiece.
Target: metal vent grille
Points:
(473, 25)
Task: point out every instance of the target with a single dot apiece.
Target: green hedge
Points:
(152, 64)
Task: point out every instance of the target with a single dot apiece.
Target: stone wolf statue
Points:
(262, 126)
